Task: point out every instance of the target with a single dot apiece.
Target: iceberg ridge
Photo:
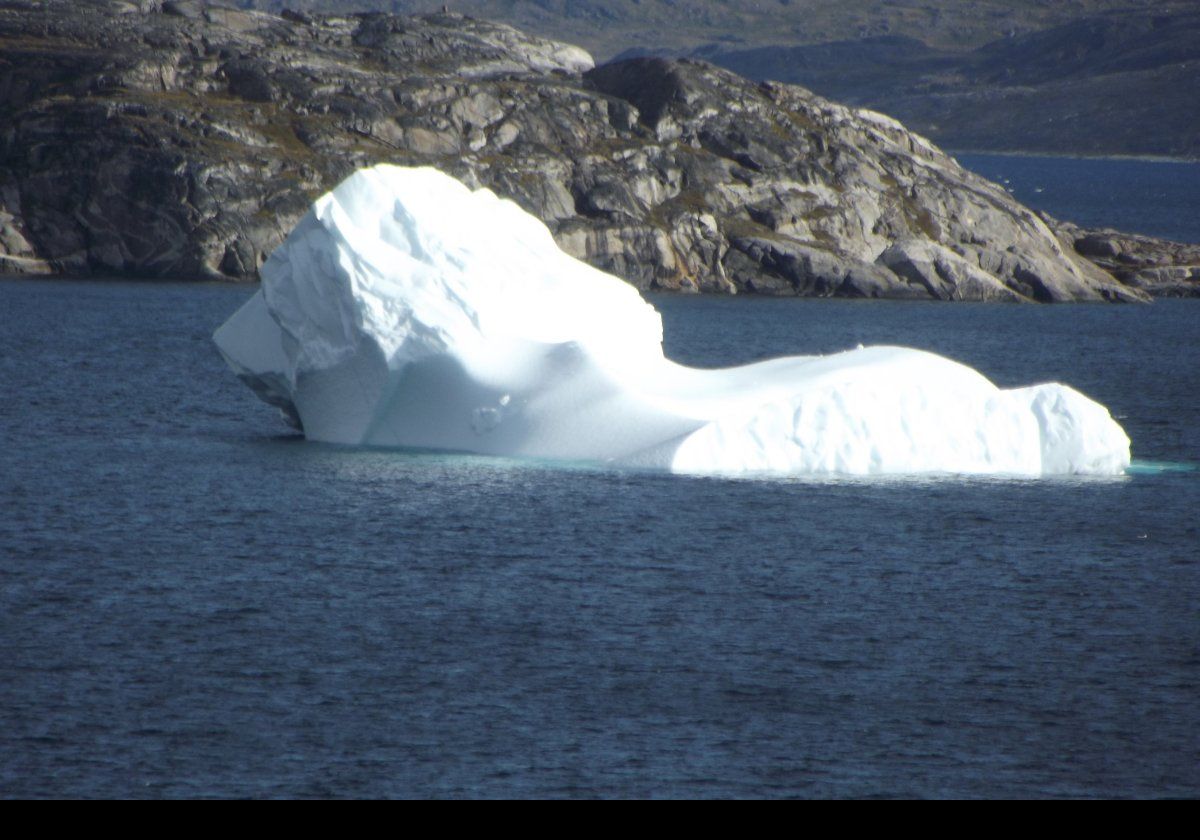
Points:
(406, 310)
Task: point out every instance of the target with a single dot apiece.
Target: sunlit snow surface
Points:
(405, 310)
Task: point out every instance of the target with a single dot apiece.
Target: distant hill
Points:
(609, 27)
(1110, 84)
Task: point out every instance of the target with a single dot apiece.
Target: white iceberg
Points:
(406, 310)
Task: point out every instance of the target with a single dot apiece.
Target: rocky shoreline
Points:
(179, 139)
(1158, 267)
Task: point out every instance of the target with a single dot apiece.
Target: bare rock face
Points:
(1159, 267)
(815, 198)
(181, 139)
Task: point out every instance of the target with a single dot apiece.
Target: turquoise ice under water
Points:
(196, 602)
(1158, 467)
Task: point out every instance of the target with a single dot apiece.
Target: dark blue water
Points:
(1157, 198)
(195, 603)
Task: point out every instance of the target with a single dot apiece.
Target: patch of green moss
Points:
(920, 219)
(740, 226)
(687, 201)
(281, 134)
(821, 211)
(12, 46)
(801, 120)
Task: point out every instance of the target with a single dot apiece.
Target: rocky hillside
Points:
(176, 139)
(1085, 77)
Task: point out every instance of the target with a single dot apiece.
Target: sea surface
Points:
(1154, 197)
(195, 602)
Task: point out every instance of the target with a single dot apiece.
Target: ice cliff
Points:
(406, 310)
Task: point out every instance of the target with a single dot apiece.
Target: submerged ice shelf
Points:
(406, 310)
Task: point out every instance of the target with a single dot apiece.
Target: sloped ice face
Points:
(406, 310)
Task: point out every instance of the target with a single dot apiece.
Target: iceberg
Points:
(407, 310)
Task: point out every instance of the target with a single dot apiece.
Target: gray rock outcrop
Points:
(1158, 267)
(180, 139)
